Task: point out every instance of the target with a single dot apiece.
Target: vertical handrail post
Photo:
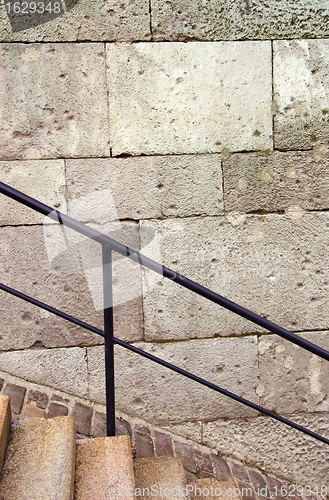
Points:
(108, 334)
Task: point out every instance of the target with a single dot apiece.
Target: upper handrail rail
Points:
(160, 269)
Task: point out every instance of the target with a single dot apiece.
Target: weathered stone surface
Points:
(301, 93)
(184, 452)
(104, 469)
(211, 489)
(43, 180)
(163, 444)
(56, 410)
(275, 182)
(25, 267)
(62, 369)
(55, 101)
(40, 398)
(162, 396)
(40, 461)
(270, 445)
(190, 98)
(291, 378)
(151, 187)
(166, 473)
(16, 394)
(275, 265)
(82, 415)
(226, 20)
(97, 20)
(143, 446)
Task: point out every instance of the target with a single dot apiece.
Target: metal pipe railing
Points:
(109, 245)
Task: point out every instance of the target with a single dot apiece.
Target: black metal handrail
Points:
(109, 245)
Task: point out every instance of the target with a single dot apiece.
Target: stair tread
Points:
(212, 489)
(164, 474)
(104, 469)
(40, 460)
(5, 421)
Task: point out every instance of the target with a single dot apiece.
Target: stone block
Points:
(203, 461)
(32, 411)
(41, 460)
(184, 452)
(55, 104)
(40, 398)
(16, 394)
(99, 429)
(123, 428)
(220, 467)
(104, 469)
(301, 90)
(159, 395)
(26, 267)
(163, 444)
(275, 182)
(188, 98)
(151, 187)
(273, 447)
(165, 473)
(143, 446)
(82, 415)
(43, 180)
(292, 379)
(97, 21)
(226, 20)
(275, 265)
(56, 410)
(62, 369)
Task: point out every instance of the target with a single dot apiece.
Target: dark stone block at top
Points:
(16, 394)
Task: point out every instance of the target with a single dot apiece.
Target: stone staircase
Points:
(40, 460)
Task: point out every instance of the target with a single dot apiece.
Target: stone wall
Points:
(208, 123)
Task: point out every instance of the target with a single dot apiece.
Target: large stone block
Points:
(151, 187)
(291, 378)
(62, 369)
(190, 98)
(159, 395)
(241, 20)
(26, 267)
(273, 447)
(275, 265)
(301, 93)
(54, 101)
(43, 180)
(97, 21)
(275, 182)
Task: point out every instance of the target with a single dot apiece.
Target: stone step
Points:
(211, 489)
(5, 421)
(104, 469)
(161, 477)
(40, 460)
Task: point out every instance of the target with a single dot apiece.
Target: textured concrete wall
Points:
(219, 147)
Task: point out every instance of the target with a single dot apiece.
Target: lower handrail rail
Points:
(166, 364)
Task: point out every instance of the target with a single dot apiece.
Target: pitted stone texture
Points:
(40, 461)
(291, 378)
(241, 20)
(275, 182)
(275, 265)
(162, 396)
(104, 469)
(26, 267)
(62, 369)
(55, 103)
(43, 180)
(272, 446)
(152, 187)
(301, 93)
(97, 21)
(190, 98)
(166, 473)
